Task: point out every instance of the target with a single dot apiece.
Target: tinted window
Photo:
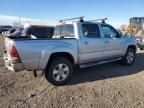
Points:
(65, 30)
(109, 32)
(7, 27)
(39, 32)
(91, 30)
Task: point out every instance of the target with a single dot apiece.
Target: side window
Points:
(42, 32)
(68, 30)
(50, 32)
(65, 30)
(91, 30)
(57, 31)
(109, 32)
(36, 31)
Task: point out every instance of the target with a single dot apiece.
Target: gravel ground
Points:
(105, 86)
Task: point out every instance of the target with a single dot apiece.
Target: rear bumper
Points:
(12, 66)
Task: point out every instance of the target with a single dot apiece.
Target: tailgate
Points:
(9, 63)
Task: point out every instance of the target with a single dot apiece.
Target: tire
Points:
(129, 57)
(59, 71)
(141, 48)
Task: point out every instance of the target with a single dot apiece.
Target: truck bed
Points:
(34, 53)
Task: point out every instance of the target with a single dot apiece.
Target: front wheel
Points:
(59, 71)
(129, 57)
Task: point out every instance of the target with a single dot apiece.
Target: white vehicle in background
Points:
(4, 29)
(140, 42)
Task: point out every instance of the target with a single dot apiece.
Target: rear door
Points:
(92, 44)
(114, 43)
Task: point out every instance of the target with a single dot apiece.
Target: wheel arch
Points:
(61, 54)
(132, 47)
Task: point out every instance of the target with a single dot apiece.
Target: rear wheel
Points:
(59, 71)
(129, 57)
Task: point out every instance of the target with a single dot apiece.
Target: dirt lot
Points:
(104, 86)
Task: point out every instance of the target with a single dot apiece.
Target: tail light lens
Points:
(14, 54)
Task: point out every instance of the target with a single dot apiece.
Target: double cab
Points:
(82, 43)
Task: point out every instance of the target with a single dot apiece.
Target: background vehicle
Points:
(4, 28)
(15, 32)
(73, 43)
(10, 31)
(136, 27)
(140, 42)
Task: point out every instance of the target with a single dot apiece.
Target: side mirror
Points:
(118, 35)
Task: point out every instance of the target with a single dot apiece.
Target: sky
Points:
(118, 12)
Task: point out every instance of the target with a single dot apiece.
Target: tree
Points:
(133, 29)
(123, 29)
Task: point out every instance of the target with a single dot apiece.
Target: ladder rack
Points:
(103, 20)
(80, 19)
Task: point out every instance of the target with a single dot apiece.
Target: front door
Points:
(114, 43)
(92, 44)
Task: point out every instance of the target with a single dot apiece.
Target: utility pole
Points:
(19, 21)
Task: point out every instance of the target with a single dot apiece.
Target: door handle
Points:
(86, 42)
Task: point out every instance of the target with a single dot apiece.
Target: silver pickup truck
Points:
(81, 43)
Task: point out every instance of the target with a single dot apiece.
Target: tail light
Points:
(14, 54)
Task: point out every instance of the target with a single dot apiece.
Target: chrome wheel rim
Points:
(130, 57)
(60, 72)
